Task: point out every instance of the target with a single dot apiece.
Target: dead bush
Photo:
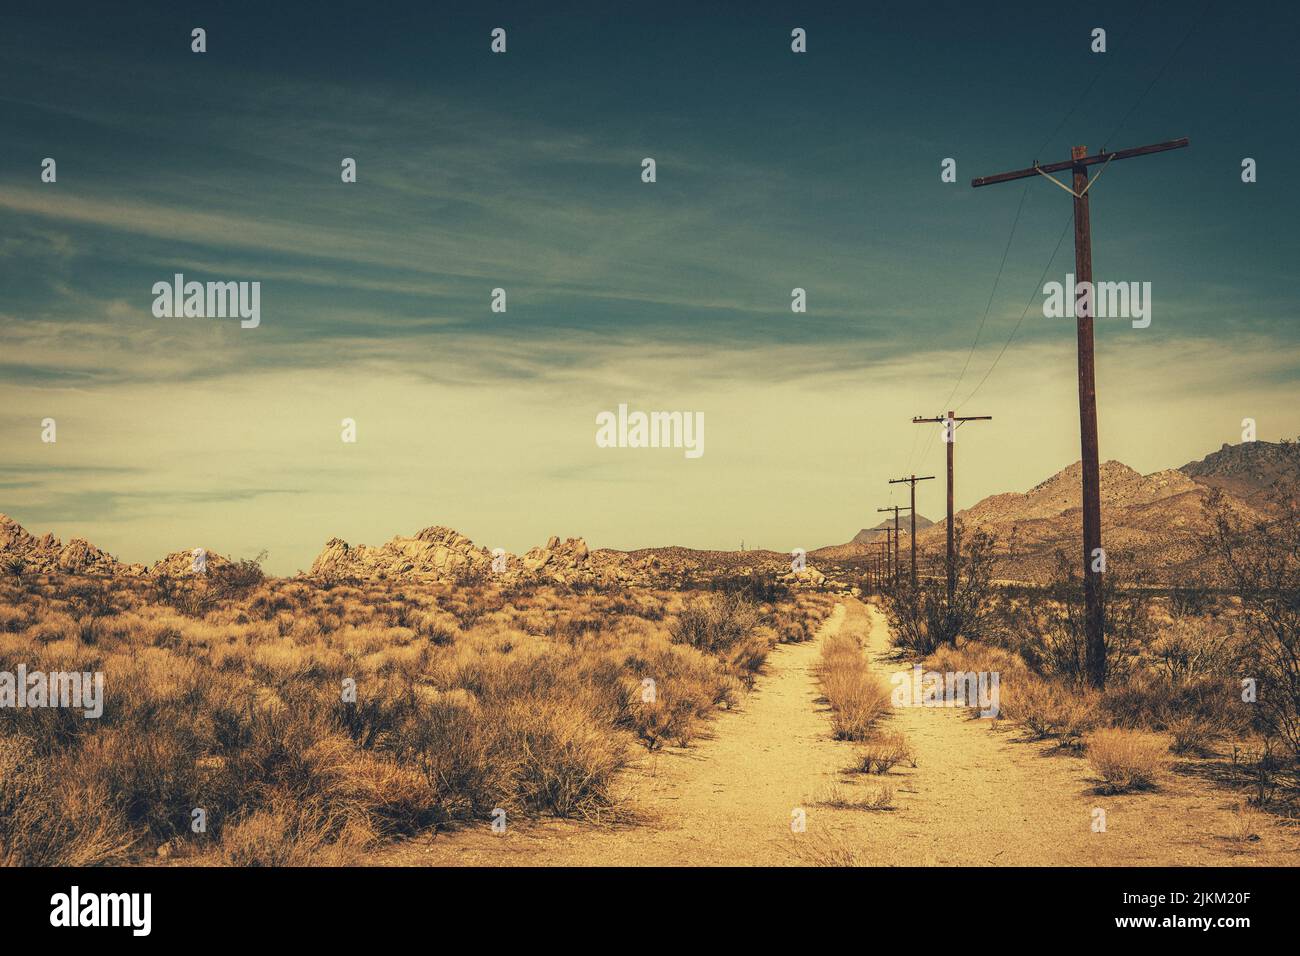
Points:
(885, 750)
(1127, 759)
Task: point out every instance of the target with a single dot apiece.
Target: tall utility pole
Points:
(1093, 555)
(950, 439)
(912, 480)
(895, 509)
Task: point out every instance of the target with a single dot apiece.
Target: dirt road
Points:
(977, 796)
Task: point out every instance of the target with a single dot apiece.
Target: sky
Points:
(522, 171)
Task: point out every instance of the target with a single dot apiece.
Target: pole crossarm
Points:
(944, 418)
(1084, 161)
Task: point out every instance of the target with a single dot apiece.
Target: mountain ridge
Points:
(1156, 516)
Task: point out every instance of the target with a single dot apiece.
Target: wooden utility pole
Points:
(912, 480)
(950, 439)
(895, 509)
(1093, 555)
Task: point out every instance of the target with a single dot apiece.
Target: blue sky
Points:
(522, 171)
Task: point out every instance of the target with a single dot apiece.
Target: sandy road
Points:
(977, 796)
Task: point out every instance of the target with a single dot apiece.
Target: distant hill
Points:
(1250, 470)
(867, 535)
(1156, 518)
(864, 541)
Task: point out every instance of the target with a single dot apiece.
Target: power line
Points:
(983, 319)
(1032, 296)
(992, 292)
(1101, 68)
(1159, 73)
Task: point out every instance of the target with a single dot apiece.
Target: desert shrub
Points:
(1259, 559)
(267, 603)
(668, 717)
(48, 730)
(1049, 709)
(191, 598)
(858, 696)
(716, 623)
(1247, 824)
(450, 743)
(13, 564)
(1053, 622)
(236, 579)
(976, 657)
(153, 780)
(291, 757)
(1191, 648)
(840, 798)
(52, 815)
(745, 659)
(288, 835)
(396, 799)
(688, 685)
(1192, 599)
(883, 751)
(1127, 759)
(1265, 767)
(920, 615)
(564, 762)
(1191, 735)
(796, 631)
(437, 627)
(755, 587)
(90, 597)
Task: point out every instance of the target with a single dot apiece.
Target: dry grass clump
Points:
(883, 751)
(51, 816)
(292, 836)
(821, 847)
(1247, 825)
(1127, 759)
(309, 720)
(857, 695)
(716, 624)
(839, 798)
(1048, 709)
